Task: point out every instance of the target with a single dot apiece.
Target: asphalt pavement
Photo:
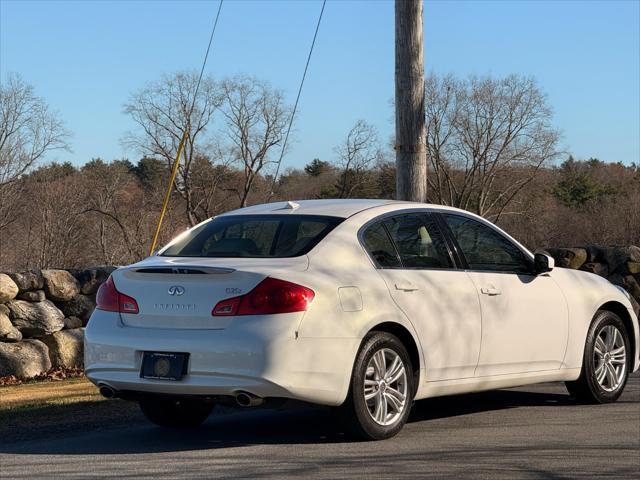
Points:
(528, 432)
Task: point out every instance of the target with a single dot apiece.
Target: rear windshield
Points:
(254, 236)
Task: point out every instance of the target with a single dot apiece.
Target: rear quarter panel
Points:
(339, 262)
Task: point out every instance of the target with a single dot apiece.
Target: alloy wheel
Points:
(385, 387)
(610, 358)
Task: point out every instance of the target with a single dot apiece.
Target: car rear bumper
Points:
(255, 354)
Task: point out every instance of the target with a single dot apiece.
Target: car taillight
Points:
(111, 300)
(268, 297)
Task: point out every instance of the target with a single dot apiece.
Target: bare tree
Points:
(209, 186)
(356, 155)
(162, 109)
(112, 189)
(256, 119)
(28, 130)
(52, 229)
(486, 140)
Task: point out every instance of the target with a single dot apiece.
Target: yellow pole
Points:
(174, 171)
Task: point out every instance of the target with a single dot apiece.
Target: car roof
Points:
(341, 207)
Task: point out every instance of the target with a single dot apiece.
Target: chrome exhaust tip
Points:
(245, 399)
(107, 392)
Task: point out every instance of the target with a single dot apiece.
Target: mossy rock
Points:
(633, 267)
(595, 267)
(24, 359)
(569, 257)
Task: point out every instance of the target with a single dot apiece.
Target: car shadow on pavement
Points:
(452, 406)
(300, 425)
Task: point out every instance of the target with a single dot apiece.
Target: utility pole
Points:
(411, 158)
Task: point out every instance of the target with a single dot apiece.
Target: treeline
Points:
(104, 213)
(491, 148)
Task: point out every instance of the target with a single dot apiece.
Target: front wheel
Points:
(381, 389)
(607, 358)
(175, 412)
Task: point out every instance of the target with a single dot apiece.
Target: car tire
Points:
(379, 408)
(175, 412)
(606, 362)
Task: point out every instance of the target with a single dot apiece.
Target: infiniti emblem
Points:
(176, 290)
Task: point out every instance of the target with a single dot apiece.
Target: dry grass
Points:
(34, 410)
(34, 395)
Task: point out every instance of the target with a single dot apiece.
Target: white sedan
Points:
(363, 304)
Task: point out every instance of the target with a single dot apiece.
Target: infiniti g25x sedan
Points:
(363, 304)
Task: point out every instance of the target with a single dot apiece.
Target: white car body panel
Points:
(525, 323)
(252, 354)
(451, 344)
(202, 291)
(466, 341)
(586, 293)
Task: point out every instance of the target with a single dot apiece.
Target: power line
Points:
(204, 63)
(176, 163)
(295, 105)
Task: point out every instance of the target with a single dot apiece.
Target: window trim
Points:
(396, 213)
(463, 259)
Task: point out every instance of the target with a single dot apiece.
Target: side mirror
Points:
(542, 263)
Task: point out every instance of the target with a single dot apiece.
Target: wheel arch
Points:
(621, 311)
(409, 342)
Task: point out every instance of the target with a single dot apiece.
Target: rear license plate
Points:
(164, 365)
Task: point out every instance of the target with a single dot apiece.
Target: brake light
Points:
(270, 296)
(111, 300)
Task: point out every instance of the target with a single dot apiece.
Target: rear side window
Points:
(379, 246)
(254, 236)
(419, 241)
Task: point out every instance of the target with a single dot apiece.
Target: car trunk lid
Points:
(176, 293)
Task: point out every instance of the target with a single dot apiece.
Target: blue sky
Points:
(85, 57)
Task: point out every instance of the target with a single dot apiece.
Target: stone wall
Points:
(42, 318)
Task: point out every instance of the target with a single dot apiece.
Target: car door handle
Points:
(406, 286)
(491, 291)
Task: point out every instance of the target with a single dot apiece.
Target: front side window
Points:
(254, 236)
(484, 248)
(419, 241)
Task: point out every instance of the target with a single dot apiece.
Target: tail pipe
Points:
(246, 399)
(108, 392)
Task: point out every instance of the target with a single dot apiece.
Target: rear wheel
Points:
(175, 412)
(381, 391)
(607, 357)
